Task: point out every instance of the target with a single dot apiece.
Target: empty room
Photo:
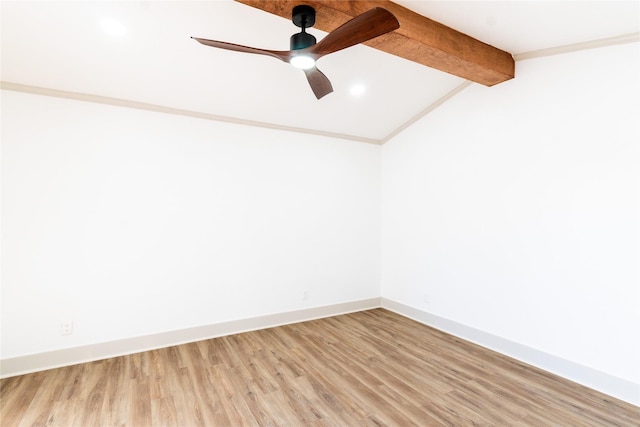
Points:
(234, 213)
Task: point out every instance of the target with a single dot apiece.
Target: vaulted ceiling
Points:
(62, 48)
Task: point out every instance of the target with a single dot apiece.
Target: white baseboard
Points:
(613, 386)
(597, 380)
(70, 356)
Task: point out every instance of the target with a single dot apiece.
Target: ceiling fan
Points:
(305, 51)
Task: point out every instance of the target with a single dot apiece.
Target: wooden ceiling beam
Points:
(418, 39)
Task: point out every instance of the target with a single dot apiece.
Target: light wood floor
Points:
(368, 368)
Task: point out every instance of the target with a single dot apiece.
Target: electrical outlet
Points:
(66, 327)
(305, 295)
(425, 299)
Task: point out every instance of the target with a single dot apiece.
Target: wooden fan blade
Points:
(369, 25)
(281, 55)
(319, 83)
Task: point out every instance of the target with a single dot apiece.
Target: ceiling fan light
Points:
(303, 62)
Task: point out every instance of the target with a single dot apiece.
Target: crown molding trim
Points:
(574, 47)
(427, 110)
(78, 96)
(126, 103)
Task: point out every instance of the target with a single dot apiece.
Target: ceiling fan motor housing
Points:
(303, 16)
(301, 40)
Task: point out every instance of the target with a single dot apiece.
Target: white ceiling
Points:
(60, 45)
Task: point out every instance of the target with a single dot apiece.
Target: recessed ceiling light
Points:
(358, 89)
(113, 28)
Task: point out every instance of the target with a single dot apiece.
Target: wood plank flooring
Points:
(367, 368)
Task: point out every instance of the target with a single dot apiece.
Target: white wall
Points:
(131, 222)
(514, 210)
